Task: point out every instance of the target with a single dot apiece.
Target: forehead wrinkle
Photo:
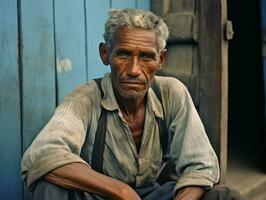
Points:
(136, 49)
(135, 37)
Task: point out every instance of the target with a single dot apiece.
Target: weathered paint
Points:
(143, 4)
(38, 66)
(10, 142)
(123, 4)
(63, 65)
(70, 45)
(96, 15)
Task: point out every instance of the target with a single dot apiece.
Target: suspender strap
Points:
(98, 146)
(161, 123)
(98, 82)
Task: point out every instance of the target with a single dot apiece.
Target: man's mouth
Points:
(131, 84)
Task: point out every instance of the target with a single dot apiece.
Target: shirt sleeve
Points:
(195, 159)
(60, 141)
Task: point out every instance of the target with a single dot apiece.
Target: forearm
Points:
(79, 176)
(190, 193)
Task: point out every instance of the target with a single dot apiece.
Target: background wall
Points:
(47, 48)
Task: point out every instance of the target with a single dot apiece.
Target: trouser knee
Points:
(221, 192)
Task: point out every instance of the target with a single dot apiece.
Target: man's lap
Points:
(45, 190)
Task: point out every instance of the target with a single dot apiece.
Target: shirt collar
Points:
(109, 101)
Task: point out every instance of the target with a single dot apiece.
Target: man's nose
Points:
(133, 67)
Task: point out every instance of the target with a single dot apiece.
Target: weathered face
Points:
(134, 60)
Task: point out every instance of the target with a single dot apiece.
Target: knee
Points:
(222, 192)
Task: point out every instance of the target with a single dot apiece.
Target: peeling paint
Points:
(63, 65)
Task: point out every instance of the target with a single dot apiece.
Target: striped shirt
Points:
(60, 141)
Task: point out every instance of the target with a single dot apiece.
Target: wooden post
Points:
(213, 76)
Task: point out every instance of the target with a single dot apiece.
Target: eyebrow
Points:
(145, 50)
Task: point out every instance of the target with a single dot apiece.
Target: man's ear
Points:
(104, 53)
(163, 57)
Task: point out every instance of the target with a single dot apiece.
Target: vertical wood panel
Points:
(143, 4)
(96, 15)
(70, 45)
(123, 4)
(10, 142)
(213, 76)
(38, 66)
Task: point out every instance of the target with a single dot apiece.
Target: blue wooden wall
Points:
(47, 48)
(263, 25)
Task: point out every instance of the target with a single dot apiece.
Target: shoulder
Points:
(175, 95)
(83, 97)
(85, 90)
(170, 86)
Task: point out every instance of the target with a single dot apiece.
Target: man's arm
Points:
(79, 176)
(190, 193)
(196, 163)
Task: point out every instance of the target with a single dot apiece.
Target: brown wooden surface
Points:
(198, 56)
(213, 76)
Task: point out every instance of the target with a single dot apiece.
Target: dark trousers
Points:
(47, 191)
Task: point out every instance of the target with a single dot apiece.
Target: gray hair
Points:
(135, 18)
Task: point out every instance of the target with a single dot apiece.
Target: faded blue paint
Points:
(123, 4)
(96, 13)
(38, 66)
(10, 142)
(143, 4)
(70, 45)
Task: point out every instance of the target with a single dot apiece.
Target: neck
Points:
(130, 107)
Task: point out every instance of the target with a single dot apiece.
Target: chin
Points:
(132, 95)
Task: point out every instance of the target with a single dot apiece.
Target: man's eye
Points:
(147, 57)
(123, 54)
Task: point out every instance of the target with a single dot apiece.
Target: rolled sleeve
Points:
(194, 178)
(47, 163)
(60, 141)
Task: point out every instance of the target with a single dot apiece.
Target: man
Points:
(60, 162)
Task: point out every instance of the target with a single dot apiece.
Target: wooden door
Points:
(197, 51)
(47, 49)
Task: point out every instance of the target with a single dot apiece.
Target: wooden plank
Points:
(38, 69)
(181, 26)
(123, 3)
(38, 66)
(96, 15)
(160, 7)
(70, 45)
(143, 4)
(182, 6)
(213, 79)
(10, 142)
(180, 58)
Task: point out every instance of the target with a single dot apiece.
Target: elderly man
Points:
(117, 137)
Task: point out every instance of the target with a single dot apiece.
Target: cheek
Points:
(150, 69)
(118, 66)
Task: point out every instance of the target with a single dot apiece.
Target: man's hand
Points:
(190, 193)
